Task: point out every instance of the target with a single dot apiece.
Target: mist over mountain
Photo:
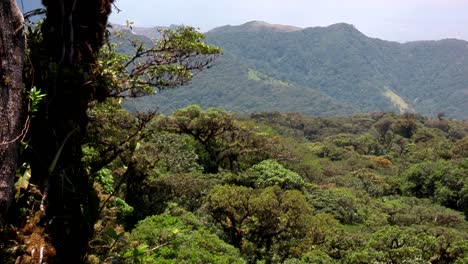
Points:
(334, 70)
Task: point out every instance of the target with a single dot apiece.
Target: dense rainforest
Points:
(211, 187)
(96, 183)
(207, 186)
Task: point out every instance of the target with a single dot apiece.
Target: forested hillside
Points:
(332, 70)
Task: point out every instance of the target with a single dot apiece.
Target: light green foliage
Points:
(180, 237)
(23, 175)
(105, 178)
(89, 155)
(271, 173)
(122, 206)
(35, 96)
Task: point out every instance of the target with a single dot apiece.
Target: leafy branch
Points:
(170, 62)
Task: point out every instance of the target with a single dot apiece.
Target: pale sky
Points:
(397, 20)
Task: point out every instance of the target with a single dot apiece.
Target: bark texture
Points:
(12, 52)
(73, 32)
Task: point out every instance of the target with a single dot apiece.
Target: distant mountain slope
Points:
(332, 70)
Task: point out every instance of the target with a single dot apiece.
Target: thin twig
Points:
(160, 246)
(22, 135)
(116, 8)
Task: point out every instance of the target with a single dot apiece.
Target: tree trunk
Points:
(12, 52)
(73, 32)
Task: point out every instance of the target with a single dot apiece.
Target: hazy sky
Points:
(399, 20)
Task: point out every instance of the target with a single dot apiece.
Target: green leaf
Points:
(23, 180)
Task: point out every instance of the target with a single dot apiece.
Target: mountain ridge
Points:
(338, 64)
(144, 30)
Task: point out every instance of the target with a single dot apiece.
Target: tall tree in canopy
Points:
(72, 34)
